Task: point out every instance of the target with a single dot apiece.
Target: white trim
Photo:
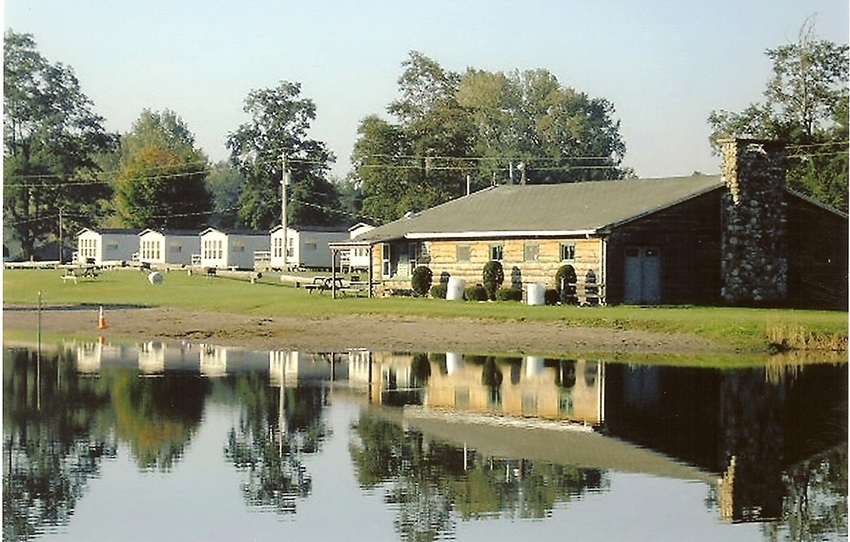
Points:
(500, 234)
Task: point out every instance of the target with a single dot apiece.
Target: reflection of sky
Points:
(200, 499)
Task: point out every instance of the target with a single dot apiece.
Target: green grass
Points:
(740, 328)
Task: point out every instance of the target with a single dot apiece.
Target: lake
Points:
(152, 441)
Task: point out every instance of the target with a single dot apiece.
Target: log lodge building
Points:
(740, 238)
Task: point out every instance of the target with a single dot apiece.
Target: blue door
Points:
(643, 276)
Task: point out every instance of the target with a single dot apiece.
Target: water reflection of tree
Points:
(274, 432)
(432, 483)
(815, 503)
(54, 439)
(157, 417)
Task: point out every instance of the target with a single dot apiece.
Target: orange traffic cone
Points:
(101, 320)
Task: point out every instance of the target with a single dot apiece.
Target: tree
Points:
(161, 177)
(806, 103)
(557, 134)
(280, 120)
(454, 130)
(51, 140)
(224, 184)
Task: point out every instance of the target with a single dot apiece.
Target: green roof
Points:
(560, 209)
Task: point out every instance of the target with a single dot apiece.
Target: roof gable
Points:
(560, 209)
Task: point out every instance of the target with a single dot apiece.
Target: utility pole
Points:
(283, 182)
(61, 243)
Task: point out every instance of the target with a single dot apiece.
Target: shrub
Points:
(493, 277)
(551, 296)
(438, 291)
(566, 274)
(509, 294)
(475, 293)
(421, 280)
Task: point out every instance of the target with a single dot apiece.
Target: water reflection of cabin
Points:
(739, 238)
(526, 387)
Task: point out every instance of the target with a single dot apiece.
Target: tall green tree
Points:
(556, 133)
(453, 129)
(51, 139)
(224, 185)
(161, 177)
(279, 121)
(806, 103)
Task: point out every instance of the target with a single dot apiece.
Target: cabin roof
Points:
(561, 209)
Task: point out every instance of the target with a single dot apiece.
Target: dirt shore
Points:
(378, 333)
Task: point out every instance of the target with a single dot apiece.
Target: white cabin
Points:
(306, 247)
(106, 246)
(174, 247)
(358, 256)
(231, 249)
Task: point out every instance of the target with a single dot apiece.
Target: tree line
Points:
(447, 133)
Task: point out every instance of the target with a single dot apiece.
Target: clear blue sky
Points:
(665, 65)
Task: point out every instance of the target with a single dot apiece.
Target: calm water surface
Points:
(188, 442)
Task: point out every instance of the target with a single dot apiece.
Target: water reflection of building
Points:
(151, 358)
(293, 368)
(748, 426)
(212, 360)
(528, 387)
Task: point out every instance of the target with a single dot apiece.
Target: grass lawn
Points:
(745, 329)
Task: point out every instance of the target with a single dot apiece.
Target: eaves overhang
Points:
(500, 234)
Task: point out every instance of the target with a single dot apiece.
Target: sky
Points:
(664, 65)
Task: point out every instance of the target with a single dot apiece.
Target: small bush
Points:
(551, 296)
(493, 277)
(401, 292)
(475, 293)
(421, 280)
(566, 274)
(509, 294)
(438, 291)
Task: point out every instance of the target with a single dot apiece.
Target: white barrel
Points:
(536, 294)
(454, 289)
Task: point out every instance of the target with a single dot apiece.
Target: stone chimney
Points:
(754, 249)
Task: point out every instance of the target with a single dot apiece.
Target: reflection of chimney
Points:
(754, 249)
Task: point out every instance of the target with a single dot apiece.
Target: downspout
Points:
(371, 279)
(603, 257)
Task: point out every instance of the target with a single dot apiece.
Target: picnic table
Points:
(322, 284)
(75, 272)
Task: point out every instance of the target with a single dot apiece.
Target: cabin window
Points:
(497, 252)
(278, 247)
(386, 269)
(311, 246)
(175, 248)
(463, 253)
(531, 252)
(112, 245)
(568, 252)
(238, 247)
(462, 397)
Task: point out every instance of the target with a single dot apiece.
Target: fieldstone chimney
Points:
(753, 248)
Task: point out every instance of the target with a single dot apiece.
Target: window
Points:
(463, 253)
(568, 252)
(278, 247)
(531, 252)
(497, 252)
(311, 246)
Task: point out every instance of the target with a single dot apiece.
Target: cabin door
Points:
(643, 276)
